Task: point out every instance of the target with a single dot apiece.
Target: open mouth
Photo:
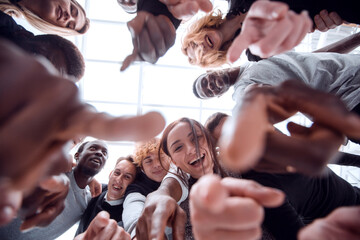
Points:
(197, 161)
(116, 188)
(96, 161)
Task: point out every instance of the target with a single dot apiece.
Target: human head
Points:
(211, 84)
(63, 17)
(62, 53)
(214, 125)
(203, 43)
(153, 164)
(190, 148)
(91, 157)
(121, 177)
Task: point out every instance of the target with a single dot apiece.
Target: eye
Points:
(116, 173)
(92, 148)
(128, 177)
(208, 41)
(71, 25)
(105, 153)
(178, 148)
(74, 11)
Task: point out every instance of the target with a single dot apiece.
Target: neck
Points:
(81, 180)
(229, 27)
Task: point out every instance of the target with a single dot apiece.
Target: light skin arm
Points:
(103, 228)
(229, 208)
(162, 210)
(342, 223)
(270, 28)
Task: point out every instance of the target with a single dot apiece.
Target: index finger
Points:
(103, 126)
(240, 43)
(268, 197)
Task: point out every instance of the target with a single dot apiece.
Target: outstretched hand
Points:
(185, 9)
(41, 112)
(229, 208)
(103, 228)
(342, 223)
(270, 28)
(247, 138)
(151, 35)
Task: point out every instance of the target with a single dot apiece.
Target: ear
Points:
(111, 173)
(76, 156)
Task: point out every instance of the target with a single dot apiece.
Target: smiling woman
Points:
(62, 17)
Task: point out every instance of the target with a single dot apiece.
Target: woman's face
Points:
(152, 167)
(181, 146)
(212, 41)
(62, 13)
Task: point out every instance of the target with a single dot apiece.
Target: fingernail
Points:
(7, 213)
(305, 12)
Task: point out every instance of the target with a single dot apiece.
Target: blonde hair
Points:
(143, 149)
(20, 11)
(194, 38)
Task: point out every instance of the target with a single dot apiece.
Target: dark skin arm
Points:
(307, 149)
(345, 45)
(40, 113)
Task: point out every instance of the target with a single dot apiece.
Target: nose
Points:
(99, 154)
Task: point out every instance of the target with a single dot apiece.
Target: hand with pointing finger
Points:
(41, 112)
(270, 28)
(151, 35)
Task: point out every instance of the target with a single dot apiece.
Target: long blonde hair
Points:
(18, 11)
(195, 36)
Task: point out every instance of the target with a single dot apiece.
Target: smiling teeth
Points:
(196, 160)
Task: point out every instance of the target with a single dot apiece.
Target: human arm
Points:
(344, 45)
(133, 206)
(160, 210)
(307, 149)
(41, 112)
(229, 208)
(269, 28)
(342, 223)
(103, 228)
(153, 30)
(45, 203)
(95, 188)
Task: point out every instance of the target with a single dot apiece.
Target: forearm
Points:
(345, 45)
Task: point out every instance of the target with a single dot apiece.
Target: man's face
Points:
(212, 84)
(93, 158)
(123, 175)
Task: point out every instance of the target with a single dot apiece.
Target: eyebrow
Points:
(179, 140)
(98, 146)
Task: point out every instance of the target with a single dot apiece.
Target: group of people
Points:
(233, 177)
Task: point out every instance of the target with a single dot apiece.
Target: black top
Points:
(156, 8)
(306, 199)
(143, 185)
(10, 30)
(97, 205)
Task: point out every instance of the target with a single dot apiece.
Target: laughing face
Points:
(182, 149)
(123, 175)
(92, 158)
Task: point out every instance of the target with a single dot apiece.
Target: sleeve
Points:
(283, 222)
(348, 159)
(184, 188)
(133, 206)
(157, 8)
